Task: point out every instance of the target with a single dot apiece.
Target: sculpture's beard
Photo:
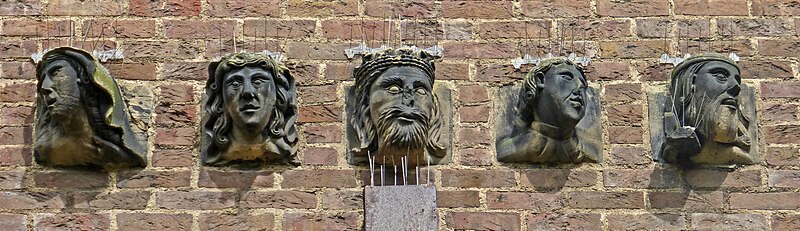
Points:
(403, 127)
(65, 107)
(718, 121)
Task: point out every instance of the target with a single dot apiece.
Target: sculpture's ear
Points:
(539, 80)
(435, 146)
(212, 69)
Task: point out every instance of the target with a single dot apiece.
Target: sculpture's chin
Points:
(403, 135)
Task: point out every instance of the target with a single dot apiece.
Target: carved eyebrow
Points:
(391, 80)
(719, 70)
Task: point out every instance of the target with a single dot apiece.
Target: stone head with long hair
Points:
(250, 110)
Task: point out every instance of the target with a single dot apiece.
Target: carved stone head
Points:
(552, 101)
(250, 110)
(81, 117)
(396, 111)
(703, 119)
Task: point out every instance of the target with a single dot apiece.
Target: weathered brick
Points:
(320, 156)
(629, 156)
(754, 27)
(472, 178)
(326, 8)
(172, 158)
(651, 221)
(779, 47)
(782, 134)
(779, 113)
(641, 178)
(197, 29)
(594, 29)
(483, 220)
(10, 221)
(71, 179)
(154, 221)
(458, 199)
(215, 48)
(475, 157)
(106, 28)
(195, 200)
(632, 49)
(75, 7)
(281, 199)
(211, 178)
(604, 200)
(16, 156)
(133, 71)
(319, 178)
(317, 94)
(176, 115)
(316, 51)
(112, 200)
(690, 201)
(21, 7)
(340, 71)
(12, 179)
(499, 73)
(765, 201)
(471, 136)
(782, 89)
(320, 113)
(626, 114)
(633, 8)
(371, 31)
(570, 221)
(477, 9)
(304, 73)
(478, 113)
(185, 71)
(170, 49)
(784, 178)
(702, 178)
(653, 71)
(452, 71)
(16, 115)
(176, 136)
(556, 9)
(15, 135)
(623, 92)
(343, 199)
(320, 221)
(765, 69)
(713, 221)
(537, 202)
(32, 200)
(36, 28)
(472, 94)
(608, 70)
(625, 135)
(231, 8)
(786, 222)
(240, 221)
(782, 156)
(18, 70)
(70, 221)
(776, 7)
(479, 50)
(413, 9)
(742, 48)
(313, 133)
(557, 178)
(514, 29)
(712, 7)
(161, 8)
(153, 179)
(18, 92)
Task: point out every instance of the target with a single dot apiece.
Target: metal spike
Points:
(235, 50)
(71, 31)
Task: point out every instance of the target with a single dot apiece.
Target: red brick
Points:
(783, 89)
(16, 115)
(195, 200)
(779, 47)
(537, 202)
(629, 156)
(210, 178)
(458, 199)
(71, 180)
(133, 71)
(70, 221)
(632, 49)
(472, 178)
(153, 179)
(641, 178)
(653, 71)
(571, 221)
(10, 221)
(782, 156)
(216, 48)
(651, 221)
(595, 29)
(320, 156)
(352, 30)
(479, 50)
(768, 201)
(232, 8)
(170, 49)
(319, 178)
(475, 157)
(317, 94)
(556, 8)
(754, 27)
(477, 9)
(160, 8)
(712, 221)
(784, 178)
(479, 113)
(514, 29)
(497, 73)
(766, 69)
(77, 7)
(452, 71)
(196, 29)
(655, 27)
(341, 71)
(176, 136)
(782, 134)
(632, 8)
(786, 222)
(320, 221)
(32, 200)
(16, 156)
(320, 113)
(21, 7)
(15, 135)
(712, 7)
(623, 92)
(314, 133)
(279, 28)
(304, 73)
(173, 158)
(176, 115)
(36, 28)
(483, 220)
(625, 135)
(713, 179)
(18, 92)
(316, 51)
(343, 199)
(320, 9)
(472, 94)
(112, 200)
(776, 7)
(741, 47)
(779, 113)
(415, 9)
(18, 70)
(626, 114)
(471, 136)
(176, 93)
(119, 28)
(604, 200)
(153, 221)
(12, 179)
(282, 199)
(232, 222)
(608, 71)
(557, 178)
(690, 201)
(185, 71)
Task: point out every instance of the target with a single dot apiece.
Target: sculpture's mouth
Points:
(50, 101)
(576, 101)
(406, 118)
(730, 102)
(249, 108)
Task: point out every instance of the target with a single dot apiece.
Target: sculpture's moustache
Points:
(403, 127)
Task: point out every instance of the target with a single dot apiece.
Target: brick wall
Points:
(169, 43)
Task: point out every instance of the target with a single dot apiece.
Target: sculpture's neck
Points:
(553, 132)
(75, 126)
(246, 137)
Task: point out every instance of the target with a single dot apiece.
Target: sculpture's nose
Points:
(734, 90)
(408, 97)
(47, 85)
(248, 90)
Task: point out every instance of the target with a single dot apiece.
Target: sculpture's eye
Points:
(722, 77)
(567, 76)
(421, 91)
(259, 81)
(394, 89)
(235, 83)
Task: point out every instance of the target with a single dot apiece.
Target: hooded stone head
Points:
(250, 110)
